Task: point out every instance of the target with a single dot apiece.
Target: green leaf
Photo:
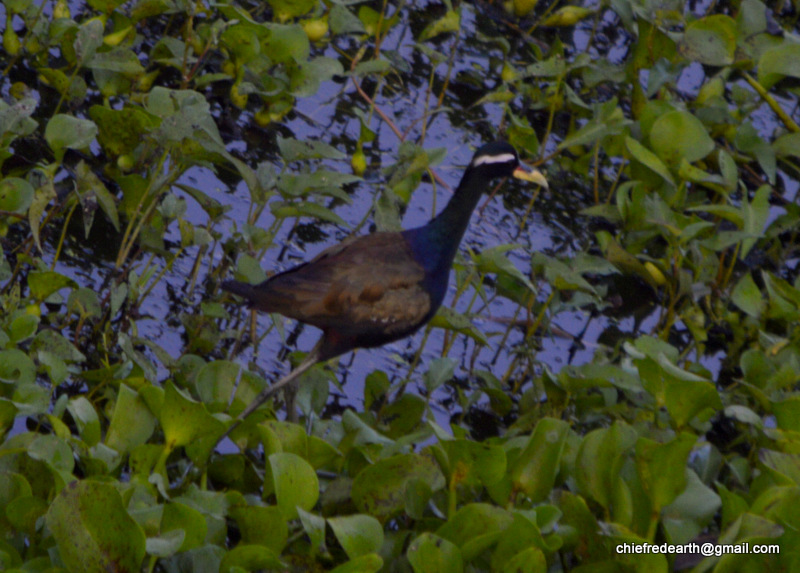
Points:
(440, 371)
(449, 23)
(661, 468)
(379, 489)
(778, 63)
(16, 195)
(297, 150)
(343, 21)
(184, 421)
(358, 534)
(475, 527)
(250, 558)
(180, 517)
(710, 40)
(45, 283)
(293, 481)
(66, 132)
(85, 417)
(283, 209)
(132, 422)
(265, 526)
(429, 552)
(369, 563)
(450, 319)
(678, 135)
(649, 159)
(535, 470)
(93, 531)
(747, 296)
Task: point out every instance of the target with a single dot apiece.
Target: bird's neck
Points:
(437, 242)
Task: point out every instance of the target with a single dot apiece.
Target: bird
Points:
(374, 289)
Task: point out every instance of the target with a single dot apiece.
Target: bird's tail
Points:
(258, 296)
(244, 290)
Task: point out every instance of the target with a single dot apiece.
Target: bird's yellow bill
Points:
(534, 176)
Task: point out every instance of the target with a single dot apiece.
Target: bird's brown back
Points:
(370, 286)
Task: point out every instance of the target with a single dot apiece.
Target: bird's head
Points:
(500, 159)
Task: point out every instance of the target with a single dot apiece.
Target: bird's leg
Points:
(309, 361)
(312, 358)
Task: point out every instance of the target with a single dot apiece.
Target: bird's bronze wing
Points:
(366, 284)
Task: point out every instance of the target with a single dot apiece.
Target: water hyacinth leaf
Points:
(710, 40)
(343, 21)
(520, 535)
(449, 23)
(404, 415)
(787, 412)
(567, 16)
(357, 534)
(93, 531)
(649, 159)
(250, 558)
(184, 420)
(216, 382)
(24, 511)
(314, 527)
(686, 399)
(22, 328)
(749, 140)
(16, 195)
(379, 489)
(787, 465)
(85, 417)
(265, 526)
(279, 436)
(16, 367)
(369, 563)
(122, 130)
(535, 470)
(440, 371)
(132, 422)
(287, 43)
(84, 303)
(66, 132)
(778, 63)
(180, 517)
(295, 150)
(42, 198)
(44, 283)
(293, 481)
(692, 510)
(119, 60)
(166, 544)
(283, 209)
(678, 135)
(475, 527)
(305, 80)
(747, 296)
(600, 456)
(429, 552)
(474, 463)
(493, 260)
(661, 468)
(89, 38)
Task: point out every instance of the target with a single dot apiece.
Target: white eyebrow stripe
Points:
(503, 158)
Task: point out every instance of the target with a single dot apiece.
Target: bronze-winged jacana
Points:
(374, 289)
